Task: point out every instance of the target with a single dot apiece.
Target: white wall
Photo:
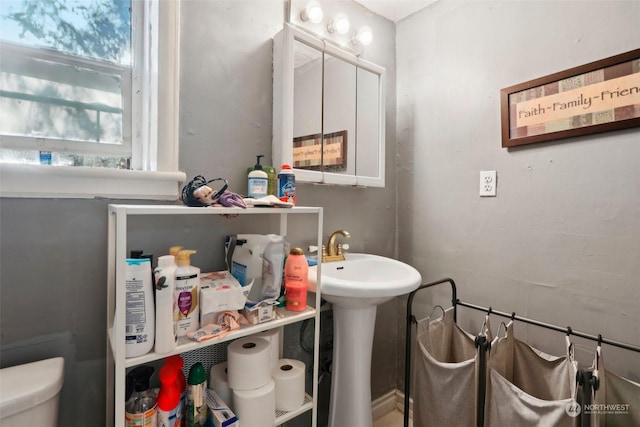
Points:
(561, 241)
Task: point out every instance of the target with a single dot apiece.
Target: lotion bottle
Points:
(258, 182)
(166, 334)
(140, 311)
(187, 288)
(296, 272)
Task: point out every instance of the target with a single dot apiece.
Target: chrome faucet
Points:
(333, 250)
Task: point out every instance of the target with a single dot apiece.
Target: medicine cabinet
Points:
(328, 112)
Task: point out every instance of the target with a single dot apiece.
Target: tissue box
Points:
(219, 414)
(261, 312)
(220, 291)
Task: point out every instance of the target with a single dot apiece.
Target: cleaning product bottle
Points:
(196, 406)
(287, 185)
(169, 413)
(258, 182)
(177, 362)
(187, 288)
(296, 271)
(140, 311)
(165, 274)
(140, 407)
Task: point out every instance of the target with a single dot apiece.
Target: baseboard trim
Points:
(392, 401)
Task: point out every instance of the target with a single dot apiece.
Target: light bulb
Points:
(312, 13)
(340, 24)
(364, 36)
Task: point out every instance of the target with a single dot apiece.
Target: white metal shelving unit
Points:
(117, 364)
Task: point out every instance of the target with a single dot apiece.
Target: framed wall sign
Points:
(326, 152)
(596, 97)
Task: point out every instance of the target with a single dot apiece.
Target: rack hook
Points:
(600, 340)
(569, 331)
(513, 315)
(490, 310)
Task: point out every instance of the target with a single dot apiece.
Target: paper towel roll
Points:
(248, 363)
(219, 382)
(289, 376)
(273, 336)
(256, 408)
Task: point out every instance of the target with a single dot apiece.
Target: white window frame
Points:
(155, 126)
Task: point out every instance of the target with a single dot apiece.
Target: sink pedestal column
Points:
(350, 404)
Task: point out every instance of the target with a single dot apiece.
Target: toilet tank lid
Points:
(25, 386)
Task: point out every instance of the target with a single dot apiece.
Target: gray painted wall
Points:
(561, 241)
(54, 252)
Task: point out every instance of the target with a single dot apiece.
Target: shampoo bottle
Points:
(196, 406)
(140, 407)
(169, 408)
(140, 311)
(258, 182)
(165, 274)
(296, 272)
(187, 287)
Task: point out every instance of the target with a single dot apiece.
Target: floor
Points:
(392, 419)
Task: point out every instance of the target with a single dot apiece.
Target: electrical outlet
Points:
(488, 183)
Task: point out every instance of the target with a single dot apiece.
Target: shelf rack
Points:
(117, 364)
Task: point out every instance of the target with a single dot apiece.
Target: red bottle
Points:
(169, 407)
(296, 270)
(177, 362)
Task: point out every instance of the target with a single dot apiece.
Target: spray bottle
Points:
(196, 405)
(165, 274)
(187, 287)
(258, 182)
(140, 406)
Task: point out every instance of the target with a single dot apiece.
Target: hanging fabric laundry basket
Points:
(527, 387)
(445, 373)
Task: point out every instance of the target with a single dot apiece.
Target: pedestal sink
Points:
(355, 287)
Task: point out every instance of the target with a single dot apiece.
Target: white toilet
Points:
(29, 393)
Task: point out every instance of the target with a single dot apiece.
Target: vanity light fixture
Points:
(364, 36)
(312, 13)
(340, 24)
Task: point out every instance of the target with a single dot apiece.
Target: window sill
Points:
(43, 181)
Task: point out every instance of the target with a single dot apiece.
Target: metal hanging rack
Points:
(585, 378)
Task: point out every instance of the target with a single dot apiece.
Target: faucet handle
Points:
(324, 250)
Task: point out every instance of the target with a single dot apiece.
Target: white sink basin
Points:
(355, 287)
(365, 276)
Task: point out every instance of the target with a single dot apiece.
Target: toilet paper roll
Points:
(289, 376)
(273, 336)
(256, 408)
(219, 382)
(248, 363)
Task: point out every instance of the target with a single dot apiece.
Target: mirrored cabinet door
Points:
(339, 124)
(307, 107)
(328, 112)
(370, 155)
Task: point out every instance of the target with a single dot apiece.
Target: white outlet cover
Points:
(488, 183)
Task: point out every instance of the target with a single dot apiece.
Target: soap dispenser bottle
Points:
(258, 182)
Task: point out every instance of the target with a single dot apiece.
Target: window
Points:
(79, 86)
